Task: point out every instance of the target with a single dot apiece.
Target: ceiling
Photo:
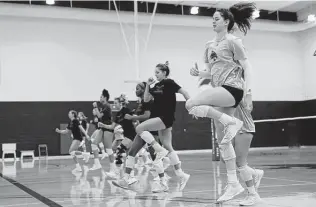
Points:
(289, 6)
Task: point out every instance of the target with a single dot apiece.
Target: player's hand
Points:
(95, 104)
(128, 117)
(100, 125)
(150, 81)
(195, 70)
(57, 130)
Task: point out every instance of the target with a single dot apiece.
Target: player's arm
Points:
(142, 117)
(147, 96)
(184, 93)
(65, 131)
(83, 131)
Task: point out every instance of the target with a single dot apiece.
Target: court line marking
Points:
(264, 177)
(29, 191)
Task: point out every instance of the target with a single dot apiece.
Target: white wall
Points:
(308, 48)
(59, 60)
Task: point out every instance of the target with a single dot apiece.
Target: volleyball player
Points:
(105, 134)
(127, 125)
(95, 122)
(162, 118)
(225, 60)
(77, 130)
(83, 122)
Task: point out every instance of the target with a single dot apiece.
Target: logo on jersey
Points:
(158, 89)
(213, 56)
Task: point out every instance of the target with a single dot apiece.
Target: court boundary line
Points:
(31, 192)
(180, 152)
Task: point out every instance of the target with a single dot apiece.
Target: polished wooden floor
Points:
(289, 181)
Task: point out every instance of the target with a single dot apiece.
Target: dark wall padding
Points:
(31, 123)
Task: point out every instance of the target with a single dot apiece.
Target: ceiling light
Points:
(195, 10)
(50, 2)
(256, 14)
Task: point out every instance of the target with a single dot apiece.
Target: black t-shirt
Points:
(127, 125)
(107, 114)
(164, 94)
(95, 122)
(84, 124)
(75, 130)
(142, 107)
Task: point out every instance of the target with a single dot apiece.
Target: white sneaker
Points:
(257, 178)
(140, 163)
(113, 174)
(160, 155)
(160, 186)
(231, 191)
(183, 181)
(231, 130)
(251, 199)
(125, 183)
(96, 167)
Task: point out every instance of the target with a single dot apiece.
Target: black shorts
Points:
(167, 120)
(237, 93)
(107, 130)
(154, 133)
(131, 137)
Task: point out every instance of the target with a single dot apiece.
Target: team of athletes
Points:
(226, 99)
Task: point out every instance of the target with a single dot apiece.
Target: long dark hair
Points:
(241, 14)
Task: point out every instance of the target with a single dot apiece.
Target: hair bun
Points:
(167, 63)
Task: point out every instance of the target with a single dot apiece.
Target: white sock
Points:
(251, 190)
(232, 176)
(225, 119)
(179, 172)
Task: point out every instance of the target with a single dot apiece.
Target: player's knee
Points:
(240, 161)
(189, 104)
(227, 151)
(72, 152)
(139, 129)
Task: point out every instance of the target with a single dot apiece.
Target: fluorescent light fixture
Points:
(311, 18)
(50, 2)
(194, 10)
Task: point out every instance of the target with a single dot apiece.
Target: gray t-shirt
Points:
(222, 60)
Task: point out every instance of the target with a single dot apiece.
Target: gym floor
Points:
(289, 181)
